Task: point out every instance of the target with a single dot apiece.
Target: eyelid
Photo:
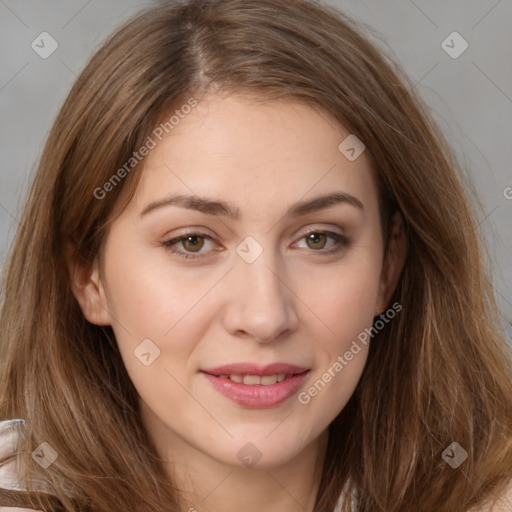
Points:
(322, 230)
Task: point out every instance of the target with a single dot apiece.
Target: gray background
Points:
(470, 96)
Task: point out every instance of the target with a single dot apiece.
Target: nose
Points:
(261, 304)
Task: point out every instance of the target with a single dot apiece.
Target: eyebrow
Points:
(212, 207)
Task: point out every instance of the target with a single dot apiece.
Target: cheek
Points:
(148, 295)
(345, 300)
(345, 297)
(152, 299)
(347, 312)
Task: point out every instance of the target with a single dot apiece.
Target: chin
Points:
(260, 452)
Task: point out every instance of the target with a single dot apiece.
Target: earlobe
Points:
(87, 287)
(394, 263)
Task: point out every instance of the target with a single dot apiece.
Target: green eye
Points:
(317, 241)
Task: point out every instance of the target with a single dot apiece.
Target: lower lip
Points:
(257, 396)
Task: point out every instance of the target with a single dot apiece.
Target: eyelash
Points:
(341, 242)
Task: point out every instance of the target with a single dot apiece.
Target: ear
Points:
(87, 287)
(393, 264)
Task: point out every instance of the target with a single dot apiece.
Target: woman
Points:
(247, 277)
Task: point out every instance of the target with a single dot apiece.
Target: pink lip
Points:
(257, 396)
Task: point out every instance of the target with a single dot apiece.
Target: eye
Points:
(317, 241)
(191, 243)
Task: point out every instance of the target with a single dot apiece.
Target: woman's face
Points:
(252, 240)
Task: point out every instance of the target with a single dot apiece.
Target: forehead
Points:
(261, 153)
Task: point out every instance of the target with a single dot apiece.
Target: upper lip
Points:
(254, 369)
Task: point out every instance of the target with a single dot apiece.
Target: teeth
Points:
(252, 380)
(268, 380)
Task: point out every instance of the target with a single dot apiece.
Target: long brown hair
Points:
(439, 373)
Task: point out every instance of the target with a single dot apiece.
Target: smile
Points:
(266, 380)
(257, 387)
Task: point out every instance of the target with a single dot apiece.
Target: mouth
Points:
(256, 380)
(254, 386)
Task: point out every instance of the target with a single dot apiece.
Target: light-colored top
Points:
(9, 433)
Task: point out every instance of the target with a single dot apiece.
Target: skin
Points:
(292, 304)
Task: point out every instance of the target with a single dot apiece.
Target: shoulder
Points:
(10, 431)
(502, 503)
